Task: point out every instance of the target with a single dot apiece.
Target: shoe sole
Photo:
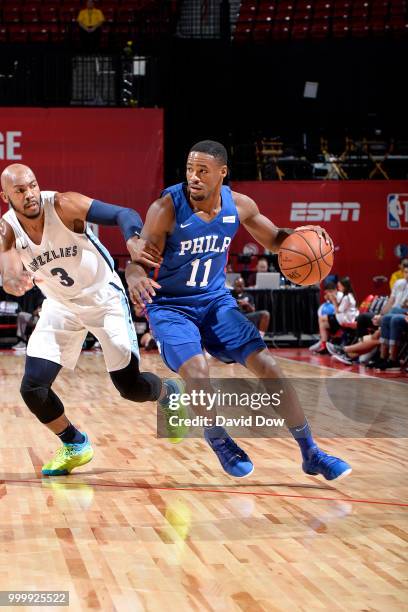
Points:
(344, 474)
(232, 475)
(243, 476)
(175, 440)
(83, 461)
(339, 477)
(340, 360)
(332, 351)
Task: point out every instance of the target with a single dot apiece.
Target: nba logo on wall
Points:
(397, 211)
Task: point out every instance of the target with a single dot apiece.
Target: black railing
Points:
(66, 79)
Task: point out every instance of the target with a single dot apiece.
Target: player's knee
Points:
(263, 363)
(134, 385)
(41, 400)
(200, 370)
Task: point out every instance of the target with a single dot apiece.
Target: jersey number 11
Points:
(196, 264)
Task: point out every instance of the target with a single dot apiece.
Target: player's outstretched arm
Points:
(76, 209)
(16, 280)
(262, 229)
(159, 222)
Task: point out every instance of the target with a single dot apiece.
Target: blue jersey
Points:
(196, 252)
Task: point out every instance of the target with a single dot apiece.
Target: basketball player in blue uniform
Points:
(45, 238)
(190, 309)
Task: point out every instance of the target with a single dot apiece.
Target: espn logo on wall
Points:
(325, 211)
(397, 211)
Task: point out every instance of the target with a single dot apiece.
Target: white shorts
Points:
(62, 328)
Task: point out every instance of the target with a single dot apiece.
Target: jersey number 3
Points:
(196, 264)
(64, 279)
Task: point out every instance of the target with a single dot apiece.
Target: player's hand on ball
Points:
(144, 252)
(18, 285)
(320, 231)
(141, 290)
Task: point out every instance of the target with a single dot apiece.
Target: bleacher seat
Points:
(11, 14)
(320, 18)
(109, 13)
(17, 33)
(38, 33)
(300, 30)
(30, 14)
(320, 29)
(360, 28)
(262, 31)
(49, 14)
(257, 20)
(243, 31)
(68, 14)
(248, 12)
(125, 14)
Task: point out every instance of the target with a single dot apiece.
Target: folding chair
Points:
(335, 162)
(268, 151)
(372, 148)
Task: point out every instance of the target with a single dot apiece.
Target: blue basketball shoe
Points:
(319, 462)
(232, 458)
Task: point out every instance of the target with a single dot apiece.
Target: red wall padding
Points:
(114, 155)
(355, 213)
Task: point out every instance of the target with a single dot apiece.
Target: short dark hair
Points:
(212, 147)
(330, 286)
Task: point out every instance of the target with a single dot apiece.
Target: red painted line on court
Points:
(203, 490)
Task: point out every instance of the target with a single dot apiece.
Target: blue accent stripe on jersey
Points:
(102, 250)
(129, 323)
(124, 295)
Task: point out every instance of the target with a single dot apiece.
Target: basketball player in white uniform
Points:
(44, 239)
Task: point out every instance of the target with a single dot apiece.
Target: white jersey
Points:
(69, 265)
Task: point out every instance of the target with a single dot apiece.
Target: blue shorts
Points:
(182, 331)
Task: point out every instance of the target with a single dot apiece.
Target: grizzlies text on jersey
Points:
(69, 265)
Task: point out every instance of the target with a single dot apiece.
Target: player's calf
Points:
(134, 385)
(41, 399)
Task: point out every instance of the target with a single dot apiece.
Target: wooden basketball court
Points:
(152, 526)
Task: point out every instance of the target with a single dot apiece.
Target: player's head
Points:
(403, 263)
(21, 191)
(262, 265)
(344, 285)
(405, 269)
(207, 166)
(330, 287)
(239, 284)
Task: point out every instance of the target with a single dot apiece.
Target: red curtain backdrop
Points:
(355, 213)
(114, 155)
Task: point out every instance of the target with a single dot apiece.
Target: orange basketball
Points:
(304, 258)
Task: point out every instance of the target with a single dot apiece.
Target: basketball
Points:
(304, 258)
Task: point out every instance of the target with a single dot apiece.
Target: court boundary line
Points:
(205, 490)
